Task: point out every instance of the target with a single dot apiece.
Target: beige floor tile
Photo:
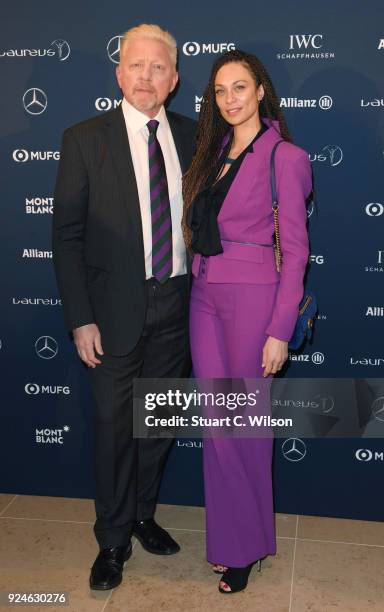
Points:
(286, 525)
(341, 530)
(49, 557)
(180, 517)
(52, 508)
(186, 582)
(5, 500)
(339, 577)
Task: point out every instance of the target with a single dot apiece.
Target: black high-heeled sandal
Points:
(237, 577)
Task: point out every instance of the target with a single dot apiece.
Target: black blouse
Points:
(202, 216)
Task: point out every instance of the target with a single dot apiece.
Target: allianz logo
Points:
(375, 102)
(365, 454)
(324, 102)
(317, 358)
(105, 104)
(367, 361)
(35, 389)
(375, 311)
(36, 254)
(25, 301)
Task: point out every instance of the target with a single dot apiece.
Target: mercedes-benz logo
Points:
(335, 154)
(113, 49)
(294, 449)
(378, 408)
(35, 101)
(46, 347)
(63, 49)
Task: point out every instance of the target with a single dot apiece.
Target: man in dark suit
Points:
(121, 268)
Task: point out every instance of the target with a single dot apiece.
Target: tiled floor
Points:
(322, 564)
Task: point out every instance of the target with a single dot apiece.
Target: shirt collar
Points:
(137, 120)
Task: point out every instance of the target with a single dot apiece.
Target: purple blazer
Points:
(246, 222)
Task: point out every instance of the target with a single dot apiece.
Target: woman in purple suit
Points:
(243, 311)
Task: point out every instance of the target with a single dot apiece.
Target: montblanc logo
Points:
(198, 101)
(195, 48)
(22, 155)
(374, 209)
(364, 454)
(39, 206)
(317, 358)
(373, 103)
(330, 153)
(35, 101)
(58, 48)
(35, 389)
(105, 104)
(324, 102)
(379, 266)
(374, 311)
(34, 301)
(306, 47)
(367, 361)
(51, 436)
(36, 254)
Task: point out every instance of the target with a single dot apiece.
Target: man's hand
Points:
(88, 340)
(275, 353)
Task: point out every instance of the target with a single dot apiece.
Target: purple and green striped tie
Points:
(160, 208)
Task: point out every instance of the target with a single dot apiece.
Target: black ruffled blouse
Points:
(202, 215)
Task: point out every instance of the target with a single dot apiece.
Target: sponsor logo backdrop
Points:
(57, 67)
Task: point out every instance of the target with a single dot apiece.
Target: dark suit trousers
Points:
(128, 470)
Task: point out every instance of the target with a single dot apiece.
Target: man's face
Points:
(146, 75)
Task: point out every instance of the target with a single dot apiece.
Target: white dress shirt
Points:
(138, 134)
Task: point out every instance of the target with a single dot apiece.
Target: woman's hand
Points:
(275, 354)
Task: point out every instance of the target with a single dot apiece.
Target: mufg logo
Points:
(195, 48)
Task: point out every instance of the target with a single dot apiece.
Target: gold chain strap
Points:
(278, 256)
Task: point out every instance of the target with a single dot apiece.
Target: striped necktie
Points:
(160, 208)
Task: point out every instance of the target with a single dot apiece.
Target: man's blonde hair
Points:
(153, 32)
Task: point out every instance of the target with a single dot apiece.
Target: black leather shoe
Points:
(154, 538)
(107, 570)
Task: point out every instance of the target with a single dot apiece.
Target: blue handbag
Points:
(308, 305)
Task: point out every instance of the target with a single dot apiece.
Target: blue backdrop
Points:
(326, 59)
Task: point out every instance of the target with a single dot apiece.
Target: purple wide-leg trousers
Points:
(227, 333)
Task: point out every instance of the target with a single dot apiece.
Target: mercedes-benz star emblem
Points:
(35, 101)
(113, 49)
(378, 408)
(46, 347)
(294, 449)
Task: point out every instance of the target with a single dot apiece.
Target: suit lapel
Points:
(180, 142)
(118, 143)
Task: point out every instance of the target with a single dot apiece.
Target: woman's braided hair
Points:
(212, 127)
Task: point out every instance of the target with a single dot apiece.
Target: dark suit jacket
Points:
(98, 246)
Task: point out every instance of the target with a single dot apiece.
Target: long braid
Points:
(212, 128)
